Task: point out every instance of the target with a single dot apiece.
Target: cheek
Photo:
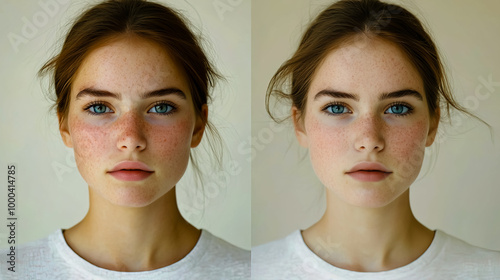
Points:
(171, 141)
(327, 144)
(95, 145)
(408, 140)
(90, 142)
(169, 148)
(407, 147)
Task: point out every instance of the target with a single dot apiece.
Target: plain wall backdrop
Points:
(457, 191)
(50, 191)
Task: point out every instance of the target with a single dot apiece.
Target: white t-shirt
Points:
(446, 258)
(52, 258)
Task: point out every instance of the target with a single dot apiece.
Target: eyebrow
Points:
(104, 93)
(395, 94)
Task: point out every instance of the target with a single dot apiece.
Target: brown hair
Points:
(151, 21)
(337, 25)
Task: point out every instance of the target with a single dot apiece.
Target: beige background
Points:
(460, 194)
(51, 193)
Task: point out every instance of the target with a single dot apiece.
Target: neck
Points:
(368, 239)
(132, 238)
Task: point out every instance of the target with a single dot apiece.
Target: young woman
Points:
(132, 85)
(367, 92)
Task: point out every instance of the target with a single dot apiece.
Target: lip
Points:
(131, 171)
(131, 165)
(369, 172)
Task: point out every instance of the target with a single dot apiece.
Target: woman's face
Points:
(131, 122)
(366, 123)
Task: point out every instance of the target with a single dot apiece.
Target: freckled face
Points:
(362, 107)
(112, 119)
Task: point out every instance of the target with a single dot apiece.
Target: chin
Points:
(133, 196)
(371, 202)
(370, 196)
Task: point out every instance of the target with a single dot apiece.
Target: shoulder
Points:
(222, 257)
(278, 247)
(224, 251)
(469, 259)
(454, 246)
(277, 257)
(36, 250)
(36, 257)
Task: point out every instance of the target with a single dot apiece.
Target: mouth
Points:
(369, 175)
(369, 172)
(130, 175)
(131, 171)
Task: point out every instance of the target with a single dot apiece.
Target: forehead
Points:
(129, 65)
(367, 66)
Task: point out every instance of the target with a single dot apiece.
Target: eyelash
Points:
(410, 108)
(335, 103)
(174, 108)
(95, 103)
(163, 102)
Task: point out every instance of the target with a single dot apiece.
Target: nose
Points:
(130, 133)
(369, 135)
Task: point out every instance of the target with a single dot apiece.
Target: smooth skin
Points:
(367, 226)
(131, 225)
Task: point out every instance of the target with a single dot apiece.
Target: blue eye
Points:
(161, 108)
(337, 109)
(98, 109)
(398, 109)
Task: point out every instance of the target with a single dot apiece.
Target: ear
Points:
(199, 127)
(298, 124)
(64, 130)
(433, 128)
